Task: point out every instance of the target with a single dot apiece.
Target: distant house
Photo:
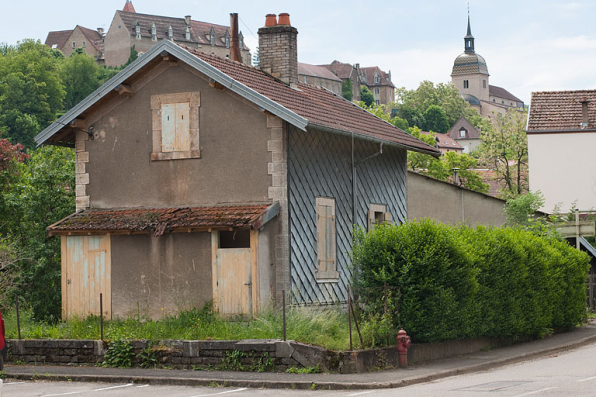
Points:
(377, 81)
(201, 179)
(445, 143)
(319, 76)
(465, 134)
(67, 41)
(561, 141)
(129, 28)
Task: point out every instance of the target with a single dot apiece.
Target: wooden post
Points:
(350, 317)
(16, 299)
(283, 300)
(357, 327)
(101, 315)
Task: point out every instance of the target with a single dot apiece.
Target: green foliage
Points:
(366, 95)
(233, 361)
(384, 113)
(134, 54)
(304, 370)
(31, 93)
(118, 355)
(460, 282)
(346, 89)
(435, 119)
(147, 357)
(521, 211)
(80, 76)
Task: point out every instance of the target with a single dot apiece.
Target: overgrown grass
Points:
(323, 327)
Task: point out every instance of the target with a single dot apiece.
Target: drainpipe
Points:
(354, 165)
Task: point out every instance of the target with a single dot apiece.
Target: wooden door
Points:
(234, 286)
(86, 272)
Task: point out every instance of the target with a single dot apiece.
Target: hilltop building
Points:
(470, 76)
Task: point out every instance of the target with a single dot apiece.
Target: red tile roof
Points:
(368, 77)
(319, 106)
(158, 220)
(472, 132)
(93, 36)
(129, 7)
(340, 69)
(502, 93)
(444, 141)
(58, 38)
(561, 110)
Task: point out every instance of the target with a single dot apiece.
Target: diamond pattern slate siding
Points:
(320, 165)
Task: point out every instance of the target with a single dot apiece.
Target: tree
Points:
(420, 161)
(346, 89)
(80, 76)
(41, 193)
(382, 112)
(504, 149)
(367, 97)
(443, 169)
(31, 93)
(435, 120)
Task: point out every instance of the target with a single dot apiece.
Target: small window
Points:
(494, 100)
(503, 102)
(84, 44)
(377, 215)
(234, 239)
(462, 132)
(377, 102)
(326, 240)
(466, 84)
(483, 83)
(175, 126)
(377, 91)
(74, 44)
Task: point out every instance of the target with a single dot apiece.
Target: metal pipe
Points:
(235, 41)
(577, 228)
(283, 300)
(357, 327)
(16, 298)
(350, 317)
(101, 315)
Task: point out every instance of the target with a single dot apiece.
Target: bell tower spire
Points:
(469, 39)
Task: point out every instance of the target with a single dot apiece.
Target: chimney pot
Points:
(284, 19)
(270, 20)
(187, 18)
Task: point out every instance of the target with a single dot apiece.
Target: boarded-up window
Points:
(377, 215)
(176, 126)
(326, 240)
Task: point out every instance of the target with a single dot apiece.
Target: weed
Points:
(2, 375)
(305, 370)
(147, 358)
(313, 386)
(118, 355)
(231, 361)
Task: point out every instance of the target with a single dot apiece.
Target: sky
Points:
(529, 45)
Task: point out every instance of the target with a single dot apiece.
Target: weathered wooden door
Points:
(234, 286)
(86, 272)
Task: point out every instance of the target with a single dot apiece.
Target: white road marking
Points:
(361, 393)
(223, 392)
(534, 392)
(115, 387)
(583, 380)
(64, 394)
(13, 383)
(143, 386)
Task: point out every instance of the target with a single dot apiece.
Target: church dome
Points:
(469, 63)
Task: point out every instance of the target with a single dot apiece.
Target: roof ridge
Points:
(166, 17)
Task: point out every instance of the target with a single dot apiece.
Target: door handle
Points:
(249, 283)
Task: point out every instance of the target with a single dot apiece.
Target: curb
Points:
(301, 384)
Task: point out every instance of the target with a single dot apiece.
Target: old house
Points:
(319, 76)
(89, 40)
(465, 134)
(201, 178)
(445, 143)
(561, 139)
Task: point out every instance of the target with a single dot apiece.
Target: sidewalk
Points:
(427, 372)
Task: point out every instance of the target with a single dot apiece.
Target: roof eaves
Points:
(185, 56)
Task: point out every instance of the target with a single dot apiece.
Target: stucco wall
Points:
(78, 37)
(154, 276)
(233, 167)
(117, 43)
(442, 201)
(331, 85)
(476, 86)
(563, 168)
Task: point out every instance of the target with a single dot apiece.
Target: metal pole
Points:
(386, 307)
(357, 327)
(577, 228)
(101, 314)
(283, 300)
(350, 317)
(16, 299)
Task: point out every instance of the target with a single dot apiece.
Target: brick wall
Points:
(278, 52)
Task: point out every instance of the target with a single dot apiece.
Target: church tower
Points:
(470, 73)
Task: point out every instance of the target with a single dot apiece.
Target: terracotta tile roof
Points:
(129, 7)
(199, 31)
(319, 106)
(502, 93)
(444, 141)
(316, 71)
(468, 64)
(93, 36)
(367, 76)
(472, 132)
(58, 38)
(158, 220)
(561, 110)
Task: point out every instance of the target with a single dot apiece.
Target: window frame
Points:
(194, 102)
(377, 213)
(325, 218)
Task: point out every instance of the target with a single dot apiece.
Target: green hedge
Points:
(461, 282)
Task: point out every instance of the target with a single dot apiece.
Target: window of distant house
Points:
(462, 132)
(483, 83)
(494, 100)
(84, 44)
(326, 240)
(466, 84)
(377, 90)
(377, 102)
(377, 79)
(175, 126)
(74, 44)
(503, 102)
(377, 214)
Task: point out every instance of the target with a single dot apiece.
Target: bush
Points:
(460, 282)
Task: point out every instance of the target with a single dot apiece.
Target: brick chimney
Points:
(584, 124)
(278, 49)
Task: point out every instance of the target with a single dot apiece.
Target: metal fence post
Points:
(101, 314)
(16, 299)
(283, 300)
(350, 317)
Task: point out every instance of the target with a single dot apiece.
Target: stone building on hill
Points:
(319, 76)
(129, 28)
(470, 76)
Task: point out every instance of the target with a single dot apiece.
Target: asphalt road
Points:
(569, 374)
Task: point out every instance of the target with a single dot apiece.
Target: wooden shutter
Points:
(326, 236)
(175, 119)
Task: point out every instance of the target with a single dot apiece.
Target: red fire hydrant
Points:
(403, 343)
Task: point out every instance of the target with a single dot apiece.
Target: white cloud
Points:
(573, 43)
